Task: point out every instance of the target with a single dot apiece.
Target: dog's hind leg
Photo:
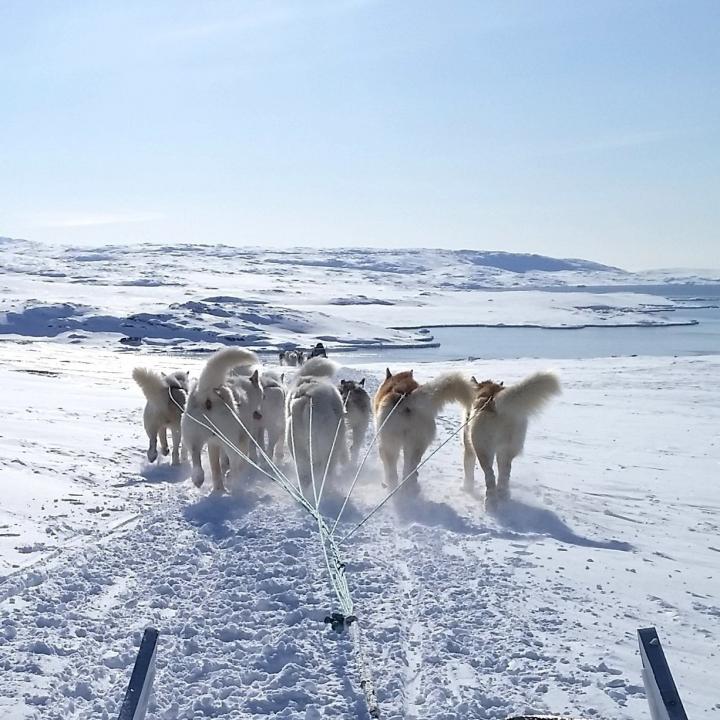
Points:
(152, 432)
(175, 430)
(469, 459)
(198, 474)
(277, 444)
(412, 456)
(162, 437)
(358, 438)
(237, 461)
(302, 466)
(216, 468)
(389, 454)
(504, 461)
(485, 458)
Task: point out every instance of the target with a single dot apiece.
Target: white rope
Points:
(360, 467)
(332, 450)
(417, 467)
(333, 562)
(264, 455)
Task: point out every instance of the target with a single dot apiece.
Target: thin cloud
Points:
(613, 142)
(263, 16)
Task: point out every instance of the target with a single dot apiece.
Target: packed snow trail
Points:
(464, 613)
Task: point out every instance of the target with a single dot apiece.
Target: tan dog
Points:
(498, 419)
(405, 413)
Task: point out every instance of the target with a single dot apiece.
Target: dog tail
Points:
(219, 365)
(447, 388)
(528, 396)
(151, 383)
(317, 367)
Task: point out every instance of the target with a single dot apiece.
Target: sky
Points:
(573, 128)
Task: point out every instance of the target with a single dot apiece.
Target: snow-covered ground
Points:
(193, 296)
(613, 526)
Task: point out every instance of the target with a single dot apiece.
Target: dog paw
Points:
(491, 500)
(152, 455)
(175, 461)
(504, 493)
(165, 451)
(198, 478)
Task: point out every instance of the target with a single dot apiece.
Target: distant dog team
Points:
(238, 411)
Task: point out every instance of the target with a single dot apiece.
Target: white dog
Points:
(271, 431)
(166, 396)
(217, 402)
(498, 418)
(358, 410)
(405, 413)
(311, 440)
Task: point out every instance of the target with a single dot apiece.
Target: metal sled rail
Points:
(662, 695)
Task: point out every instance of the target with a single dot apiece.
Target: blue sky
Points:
(576, 128)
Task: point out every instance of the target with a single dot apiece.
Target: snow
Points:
(613, 526)
(199, 296)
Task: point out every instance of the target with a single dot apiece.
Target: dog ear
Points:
(362, 383)
(388, 374)
(254, 378)
(473, 379)
(502, 383)
(208, 404)
(162, 373)
(411, 373)
(282, 377)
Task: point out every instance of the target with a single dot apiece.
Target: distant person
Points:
(318, 351)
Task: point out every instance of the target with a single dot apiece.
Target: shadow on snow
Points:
(529, 519)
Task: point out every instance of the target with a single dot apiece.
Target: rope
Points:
(332, 448)
(334, 564)
(417, 467)
(365, 457)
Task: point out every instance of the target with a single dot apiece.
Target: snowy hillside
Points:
(198, 295)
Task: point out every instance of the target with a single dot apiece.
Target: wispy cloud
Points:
(92, 219)
(616, 141)
(261, 15)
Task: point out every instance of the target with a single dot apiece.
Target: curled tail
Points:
(447, 388)
(528, 396)
(219, 365)
(151, 383)
(317, 367)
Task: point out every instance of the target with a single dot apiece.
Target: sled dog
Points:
(358, 409)
(498, 419)
(270, 429)
(405, 413)
(215, 400)
(166, 396)
(311, 441)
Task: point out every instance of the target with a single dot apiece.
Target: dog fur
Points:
(358, 410)
(166, 396)
(410, 427)
(498, 419)
(215, 400)
(271, 430)
(312, 387)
